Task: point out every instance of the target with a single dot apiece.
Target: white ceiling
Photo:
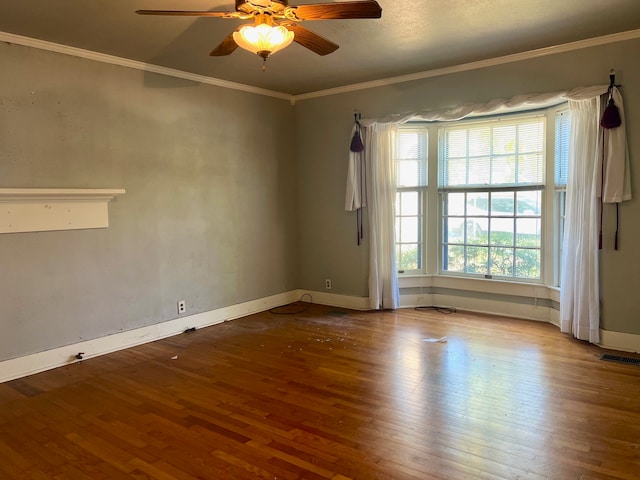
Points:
(412, 36)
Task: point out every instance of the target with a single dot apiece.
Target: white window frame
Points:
(560, 194)
(492, 189)
(432, 215)
(421, 191)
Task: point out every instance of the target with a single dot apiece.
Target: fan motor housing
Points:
(251, 6)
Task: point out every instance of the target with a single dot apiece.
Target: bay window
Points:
(487, 213)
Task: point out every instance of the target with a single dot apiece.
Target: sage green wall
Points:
(328, 242)
(220, 207)
(209, 215)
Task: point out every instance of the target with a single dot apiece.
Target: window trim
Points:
(510, 119)
(422, 191)
(432, 205)
(514, 247)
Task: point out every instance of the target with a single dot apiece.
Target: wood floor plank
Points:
(320, 395)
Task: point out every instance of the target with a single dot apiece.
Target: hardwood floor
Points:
(319, 395)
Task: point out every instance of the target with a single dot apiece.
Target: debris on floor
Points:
(435, 340)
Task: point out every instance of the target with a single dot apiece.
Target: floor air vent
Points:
(617, 358)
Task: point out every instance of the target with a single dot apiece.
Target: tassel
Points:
(611, 116)
(356, 142)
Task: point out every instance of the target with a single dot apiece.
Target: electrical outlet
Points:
(327, 284)
(182, 306)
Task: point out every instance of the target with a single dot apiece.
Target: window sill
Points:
(480, 285)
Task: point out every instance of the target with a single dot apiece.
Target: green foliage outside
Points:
(407, 258)
(501, 258)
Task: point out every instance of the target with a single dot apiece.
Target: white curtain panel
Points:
(580, 287)
(353, 197)
(380, 142)
(580, 292)
(617, 176)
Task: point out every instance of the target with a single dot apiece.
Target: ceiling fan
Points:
(276, 24)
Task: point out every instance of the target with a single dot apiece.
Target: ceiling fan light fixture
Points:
(264, 38)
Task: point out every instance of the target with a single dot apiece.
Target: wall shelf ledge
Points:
(46, 209)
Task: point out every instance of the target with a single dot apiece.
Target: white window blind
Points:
(412, 157)
(507, 152)
(563, 131)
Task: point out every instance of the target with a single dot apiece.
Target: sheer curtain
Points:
(380, 142)
(580, 292)
(580, 287)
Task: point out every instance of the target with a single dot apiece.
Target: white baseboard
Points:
(337, 300)
(41, 361)
(626, 342)
(479, 305)
(57, 357)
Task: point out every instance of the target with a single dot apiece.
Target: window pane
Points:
(480, 142)
(411, 156)
(528, 232)
(409, 203)
(504, 139)
(408, 173)
(502, 203)
(503, 170)
(456, 173)
(503, 152)
(563, 130)
(453, 230)
(409, 257)
(560, 202)
(530, 169)
(501, 231)
(529, 203)
(409, 230)
(456, 144)
(531, 137)
(455, 204)
(501, 261)
(479, 171)
(477, 231)
(454, 258)
(477, 260)
(490, 231)
(411, 168)
(527, 263)
(478, 204)
(410, 145)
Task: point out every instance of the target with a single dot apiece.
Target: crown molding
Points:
(516, 57)
(146, 67)
(123, 62)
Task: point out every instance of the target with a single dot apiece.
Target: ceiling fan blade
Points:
(188, 13)
(227, 47)
(341, 10)
(312, 41)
